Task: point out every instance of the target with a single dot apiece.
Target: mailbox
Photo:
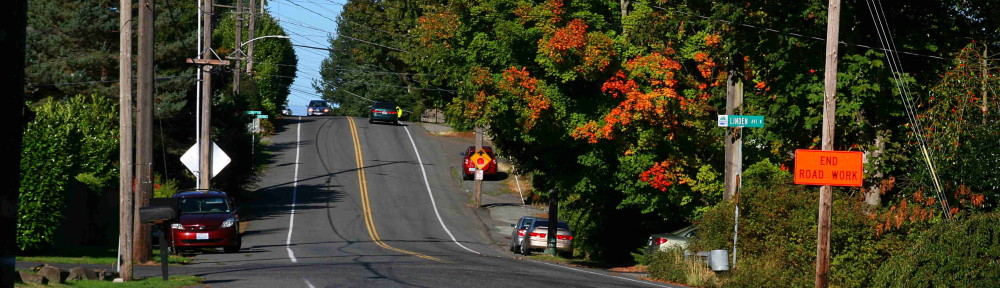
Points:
(160, 210)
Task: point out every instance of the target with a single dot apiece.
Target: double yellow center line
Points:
(366, 204)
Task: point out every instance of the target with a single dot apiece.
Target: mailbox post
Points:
(161, 212)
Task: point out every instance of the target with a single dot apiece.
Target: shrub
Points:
(777, 233)
(69, 141)
(673, 266)
(957, 253)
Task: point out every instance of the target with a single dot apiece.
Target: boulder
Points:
(80, 273)
(28, 277)
(51, 273)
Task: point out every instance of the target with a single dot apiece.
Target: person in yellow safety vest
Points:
(399, 112)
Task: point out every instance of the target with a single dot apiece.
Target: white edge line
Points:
(605, 275)
(431, 195)
(295, 191)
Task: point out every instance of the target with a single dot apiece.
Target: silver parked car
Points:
(530, 233)
(665, 241)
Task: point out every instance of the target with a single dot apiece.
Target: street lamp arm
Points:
(262, 37)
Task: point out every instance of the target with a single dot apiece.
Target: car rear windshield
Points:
(545, 223)
(384, 105)
(195, 205)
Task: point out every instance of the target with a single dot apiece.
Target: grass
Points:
(152, 282)
(91, 255)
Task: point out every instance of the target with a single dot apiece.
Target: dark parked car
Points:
(384, 112)
(317, 108)
(208, 219)
(469, 165)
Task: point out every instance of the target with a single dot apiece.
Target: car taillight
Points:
(520, 232)
(564, 237)
(177, 226)
(391, 112)
(538, 235)
(374, 111)
(659, 241)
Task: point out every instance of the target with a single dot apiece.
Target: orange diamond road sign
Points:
(481, 158)
(822, 167)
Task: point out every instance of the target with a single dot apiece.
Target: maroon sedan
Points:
(469, 166)
(207, 219)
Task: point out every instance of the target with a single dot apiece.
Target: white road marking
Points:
(431, 195)
(310, 284)
(295, 191)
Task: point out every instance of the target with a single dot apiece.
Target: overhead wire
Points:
(885, 37)
(793, 34)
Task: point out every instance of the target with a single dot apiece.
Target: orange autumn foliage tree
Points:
(653, 94)
(512, 92)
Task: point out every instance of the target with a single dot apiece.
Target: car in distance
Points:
(207, 219)
(469, 166)
(317, 108)
(285, 111)
(383, 112)
(534, 237)
(666, 241)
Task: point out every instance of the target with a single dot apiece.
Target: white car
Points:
(665, 241)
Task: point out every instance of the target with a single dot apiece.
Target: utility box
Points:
(718, 260)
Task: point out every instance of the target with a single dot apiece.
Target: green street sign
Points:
(262, 116)
(253, 112)
(741, 121)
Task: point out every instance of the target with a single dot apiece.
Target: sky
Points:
(308, 23)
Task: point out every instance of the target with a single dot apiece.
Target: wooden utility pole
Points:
(13, 22)
(204, 132)
(239, 48)
(125, 141)
(734, 139)
(142, 249)
(250, 35)
(478, 181)
(829, 116)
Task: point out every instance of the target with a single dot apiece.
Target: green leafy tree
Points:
(368, 60)
(274, 65)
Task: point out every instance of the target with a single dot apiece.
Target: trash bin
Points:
(719, 260)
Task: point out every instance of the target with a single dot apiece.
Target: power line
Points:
(885, 37)
(797, 35)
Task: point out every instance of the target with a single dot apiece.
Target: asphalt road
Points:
(345, 203)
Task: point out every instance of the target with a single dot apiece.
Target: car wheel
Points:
(235, 247)
(371, 121)
(524, 248)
